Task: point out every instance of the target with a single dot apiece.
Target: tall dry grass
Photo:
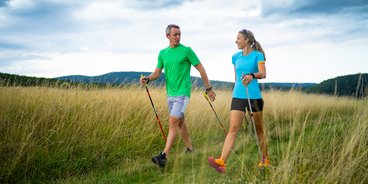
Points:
(49, 133)
(108, 136)
(319, 139)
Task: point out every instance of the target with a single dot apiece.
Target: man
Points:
(176, 60)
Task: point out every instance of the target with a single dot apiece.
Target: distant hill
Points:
(113, 78)
(123, 78)
(350, 85)
(355, 85)
(126, 78)
(17, 80)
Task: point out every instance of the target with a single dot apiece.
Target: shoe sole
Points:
(217, 167)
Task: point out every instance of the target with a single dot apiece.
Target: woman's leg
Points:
(261, 133)
(236, 118)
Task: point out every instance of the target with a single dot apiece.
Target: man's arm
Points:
(206, 81)
(153, 76)
(204, 76)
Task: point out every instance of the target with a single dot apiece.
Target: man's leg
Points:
(173, 130)
(185, 134)
(161, 159)
(177, 106)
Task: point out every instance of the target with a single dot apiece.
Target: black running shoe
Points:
(160, 159)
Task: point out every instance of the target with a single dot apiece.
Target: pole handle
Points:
(143, 78)
(206, 96)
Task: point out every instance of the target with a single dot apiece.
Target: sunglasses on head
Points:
(243, 31)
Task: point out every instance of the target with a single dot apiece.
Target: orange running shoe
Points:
(264, 163)
(218, 164)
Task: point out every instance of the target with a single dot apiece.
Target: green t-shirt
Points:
(176, 63)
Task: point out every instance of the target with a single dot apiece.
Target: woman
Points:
(249, 65)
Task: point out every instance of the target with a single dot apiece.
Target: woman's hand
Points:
(246, 79)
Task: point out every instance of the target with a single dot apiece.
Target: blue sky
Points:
(304, 40)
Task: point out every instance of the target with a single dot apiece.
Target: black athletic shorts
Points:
(240, 104)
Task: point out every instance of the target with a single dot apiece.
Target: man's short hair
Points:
(168, 28)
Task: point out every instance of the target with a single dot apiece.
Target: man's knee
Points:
(176, 120)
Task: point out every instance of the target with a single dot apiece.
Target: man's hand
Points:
(144, 80)
(211, 94)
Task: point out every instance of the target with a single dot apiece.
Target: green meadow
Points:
(77, 135)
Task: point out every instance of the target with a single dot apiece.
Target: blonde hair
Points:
(252, 41)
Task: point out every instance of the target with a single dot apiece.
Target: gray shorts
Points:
(177, 105)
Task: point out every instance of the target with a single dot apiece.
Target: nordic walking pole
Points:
(248, 124)
(254, 126)
(209, 101)
(153, 106)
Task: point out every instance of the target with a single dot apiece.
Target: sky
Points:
(304, 40)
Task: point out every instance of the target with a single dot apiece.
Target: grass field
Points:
(53, 135)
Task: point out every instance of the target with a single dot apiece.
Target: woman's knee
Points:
(234, 129)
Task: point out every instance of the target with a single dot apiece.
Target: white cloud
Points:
(103, 12)
(97, 37)
(87, 63)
